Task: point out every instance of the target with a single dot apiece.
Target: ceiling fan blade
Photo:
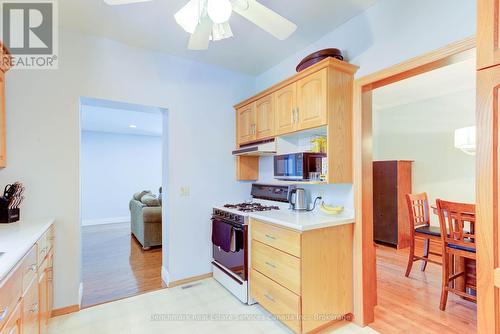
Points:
(265, 18)
(200, 39)
(123, 2)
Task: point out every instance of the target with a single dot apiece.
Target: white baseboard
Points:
(102, 221)
(165, 276)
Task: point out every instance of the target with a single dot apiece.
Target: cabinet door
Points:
(3, 139)
(312, 100)
(285, 101)
(44, 302)
(50, 284)
(488, 36)
(31, 306)
(487, 198)
(13, 325)
(264, 109)
(246, 123)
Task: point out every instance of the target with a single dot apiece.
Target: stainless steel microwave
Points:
(297, 166)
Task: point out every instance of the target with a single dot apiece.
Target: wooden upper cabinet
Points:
(312, 100)
(488, 33)
(246, 124)
(264, 109)
(319, 96)
(3, 139)
(4, 67)
(285, 101)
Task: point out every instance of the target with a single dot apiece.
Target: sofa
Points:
(145, 219)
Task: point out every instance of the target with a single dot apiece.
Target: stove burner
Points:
(251, 207)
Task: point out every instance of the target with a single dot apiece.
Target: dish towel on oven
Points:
(222, 235)
(233, 241)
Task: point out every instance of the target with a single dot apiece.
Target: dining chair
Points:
(457, 222)
(420, 228)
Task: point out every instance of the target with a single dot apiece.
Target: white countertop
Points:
(303, 220)
(16, 240)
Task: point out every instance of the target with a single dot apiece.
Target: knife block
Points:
(7, 215)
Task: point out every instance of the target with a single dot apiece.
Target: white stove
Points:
(230, 237)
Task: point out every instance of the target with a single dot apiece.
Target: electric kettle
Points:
(297, 199)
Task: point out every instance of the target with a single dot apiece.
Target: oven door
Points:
(235, 262)
(289, 167)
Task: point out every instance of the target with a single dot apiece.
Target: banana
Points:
(331, 210)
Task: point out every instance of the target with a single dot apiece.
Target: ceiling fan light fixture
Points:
(188, 16)
(221, 31)
(219, 11)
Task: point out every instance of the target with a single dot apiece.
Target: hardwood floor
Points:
(411, 305)
(114, 266)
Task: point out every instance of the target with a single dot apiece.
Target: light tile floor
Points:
(136, 315)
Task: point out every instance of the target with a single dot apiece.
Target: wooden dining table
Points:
(468, 281)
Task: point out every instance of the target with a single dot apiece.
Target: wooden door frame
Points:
(365, 275)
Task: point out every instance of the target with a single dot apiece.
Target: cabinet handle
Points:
(270, 237)
(271, 265)
(293, 116)
(34, 308)
(4, 313)
(297, 117)
(270, 298)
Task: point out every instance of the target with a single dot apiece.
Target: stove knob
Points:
(231, 216)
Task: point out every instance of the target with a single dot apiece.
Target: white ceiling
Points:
(151, 25)
(118, 121)
(459, 77)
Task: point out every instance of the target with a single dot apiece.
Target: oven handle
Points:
(234, 225)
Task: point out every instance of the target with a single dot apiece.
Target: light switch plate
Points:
(184, 191)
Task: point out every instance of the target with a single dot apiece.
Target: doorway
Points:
(121, 191)
(365, 252)
(417, 148)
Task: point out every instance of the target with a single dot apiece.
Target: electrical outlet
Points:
(184, 191)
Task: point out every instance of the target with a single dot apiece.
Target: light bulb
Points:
(219, 11)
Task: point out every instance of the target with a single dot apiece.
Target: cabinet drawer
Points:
(45, 243)
(10, 294)
(29, 267)
(277, 265)
(50, 235)
(276, 299)
(286, 240)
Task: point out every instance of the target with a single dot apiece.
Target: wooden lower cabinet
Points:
(303, 278)
(26, 294)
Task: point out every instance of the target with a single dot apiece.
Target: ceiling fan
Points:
(208, 20)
